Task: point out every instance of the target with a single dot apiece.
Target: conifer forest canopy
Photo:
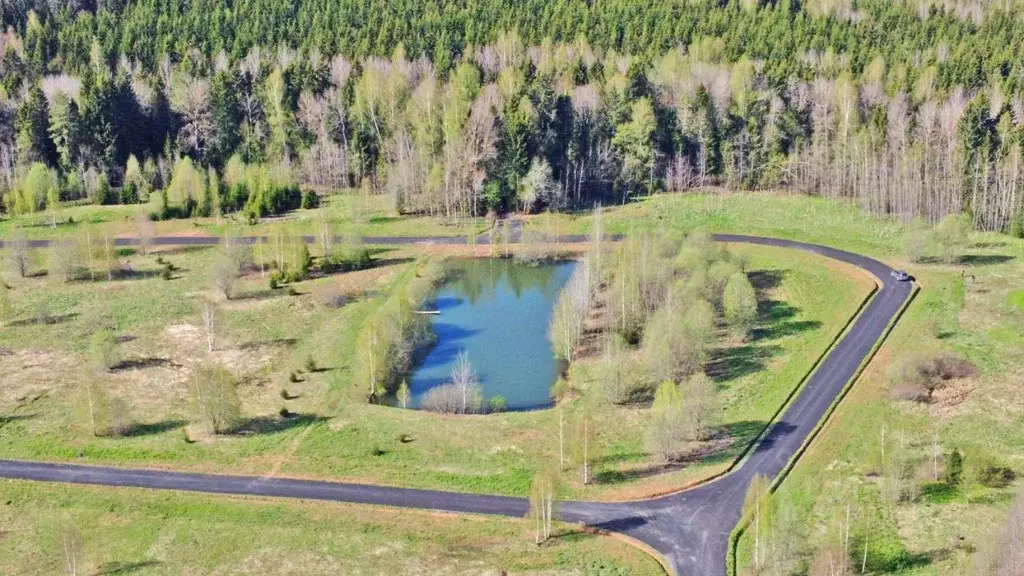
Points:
(455, 108)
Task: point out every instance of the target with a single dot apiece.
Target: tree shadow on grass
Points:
(119, 568)
(262, 343)
(7, 419)
(730, 363)
(275, 424)
(149, 428)
(983, 259)
(48, 320)
(148, 362)
(763, 280)
(724, 446)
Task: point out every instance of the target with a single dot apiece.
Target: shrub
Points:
(6, 308)
(310, 200)
(350, 255)
(954, 468)
(619, 376)
(225, 272)
(497, 404)
(997, 476)
(103, 349)
(310, 364)
(129, 194)
(740, 303)
(215, 397)
(65, 263)
(167, 272)
(293, 378)
(1017, 226)
(917, 244)
(951, 236)
(448, 399)
(916, 376)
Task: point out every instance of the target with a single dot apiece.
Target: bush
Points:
(103, 349)
(350, 255)
(448, 399)
(915, 377)
(917, 244)
(215, 397)
(310, 364)
(954, 468)
(129, 194)
(951, 236)
(310, 200)
(497, 404)
(740, 303)
(997, 476)
(1017, 226)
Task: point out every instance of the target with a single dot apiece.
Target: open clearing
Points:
(133, 531)
(970, 308)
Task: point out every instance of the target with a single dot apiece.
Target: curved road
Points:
(690, 528)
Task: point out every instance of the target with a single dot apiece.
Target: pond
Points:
(497, 311)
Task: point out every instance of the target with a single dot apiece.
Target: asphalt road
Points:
(690, 528)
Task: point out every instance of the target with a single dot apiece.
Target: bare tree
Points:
(209, 311)
(19, 254)
(215, 396)
(542, 503)
(584, 445)
(6, 307)
(758, 511)
(190, 97)
(146, 231)
(567, 320)
(71, 547)
(466, 383)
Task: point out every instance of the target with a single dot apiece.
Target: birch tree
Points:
(542, 503)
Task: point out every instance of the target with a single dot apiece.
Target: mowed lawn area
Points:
(132, 531)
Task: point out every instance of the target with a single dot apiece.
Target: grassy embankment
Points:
(127, 530)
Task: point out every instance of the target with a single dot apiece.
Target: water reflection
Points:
(498, 311)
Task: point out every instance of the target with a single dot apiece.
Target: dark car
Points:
(901, 275)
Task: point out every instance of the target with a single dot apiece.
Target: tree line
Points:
(923, 124)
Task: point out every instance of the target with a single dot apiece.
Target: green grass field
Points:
(263, 336)
(134, 531)
(971, 308)
(349, 214)
(964, 309)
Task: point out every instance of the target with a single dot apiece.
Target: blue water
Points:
(498, 311)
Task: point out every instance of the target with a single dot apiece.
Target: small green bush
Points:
(997, 476)
(310, 364)
(497, 404)
(1017, 227)
(954, 468)
(310, 200)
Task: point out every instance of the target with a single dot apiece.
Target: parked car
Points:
(901, 275)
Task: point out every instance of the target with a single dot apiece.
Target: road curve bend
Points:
(689, 528)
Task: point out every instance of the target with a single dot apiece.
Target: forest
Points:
(466, 108)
